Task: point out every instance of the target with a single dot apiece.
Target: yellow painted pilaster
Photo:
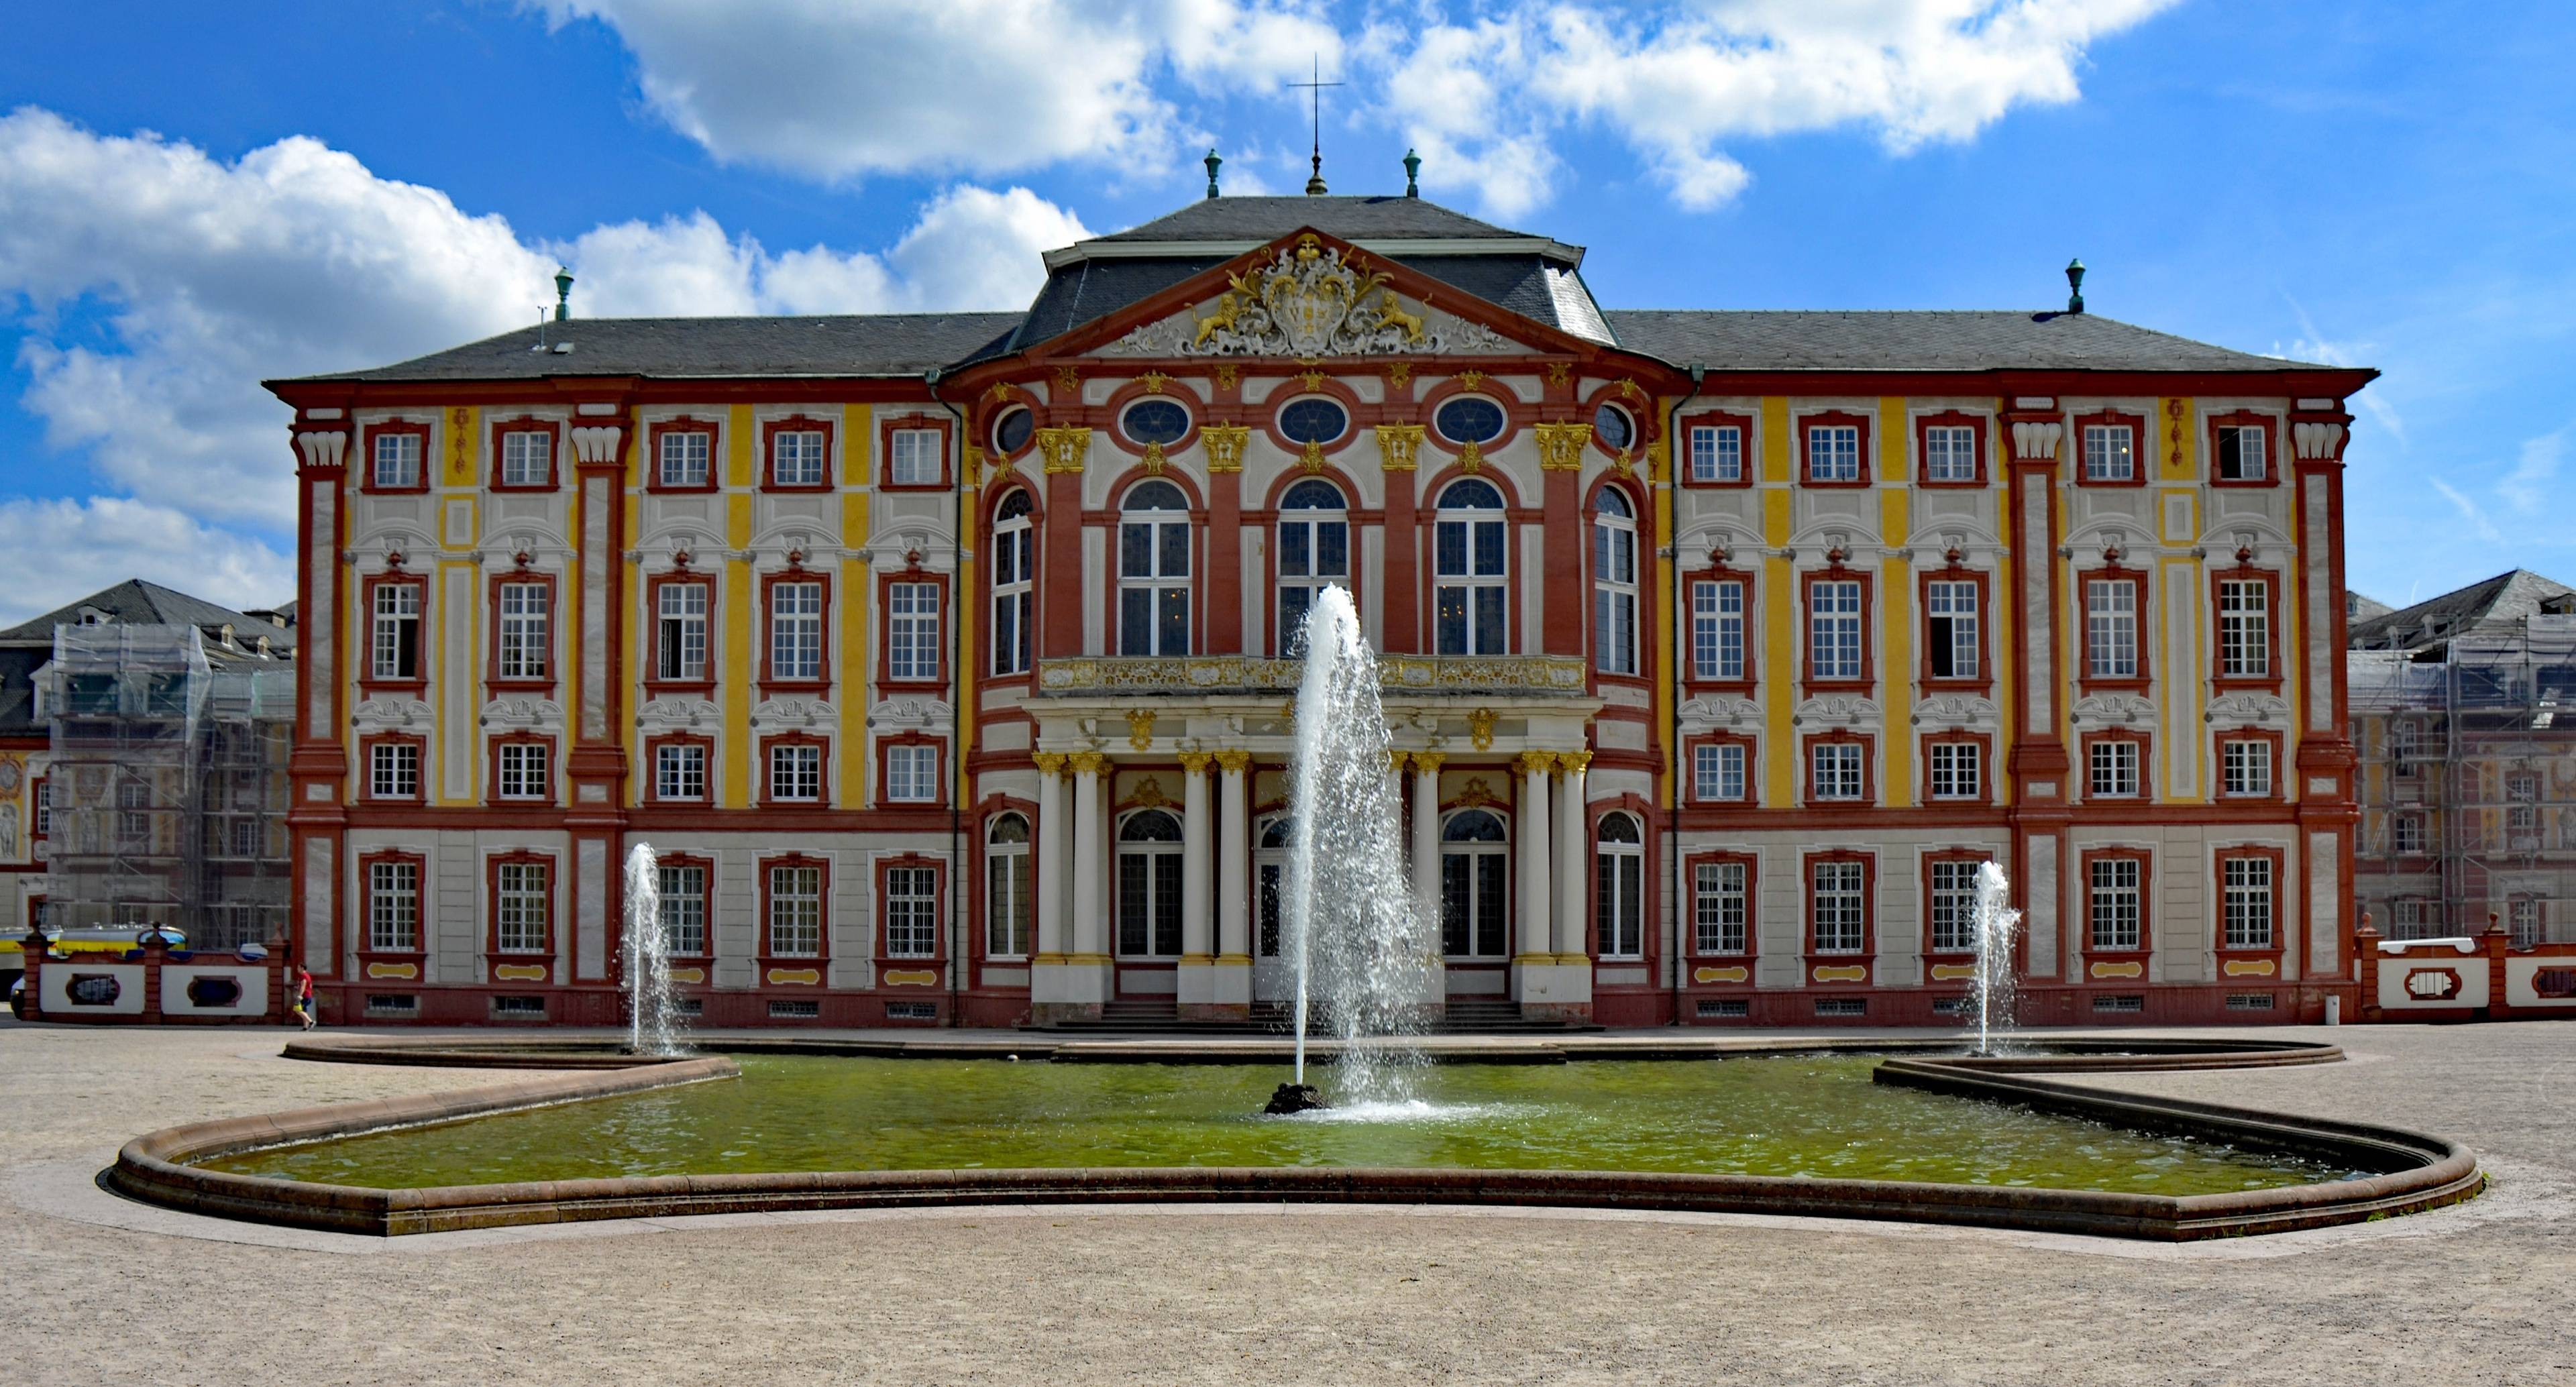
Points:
(1775, 438)
(1667, 618)
(1896, 587)
(1779, 683)
(741, 616)
(858, 596)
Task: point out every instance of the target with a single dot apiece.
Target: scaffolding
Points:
(169, 776)
(2468, 784)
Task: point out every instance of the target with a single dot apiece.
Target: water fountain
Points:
(1361, 952)
(1995, 923)
(653, 1007)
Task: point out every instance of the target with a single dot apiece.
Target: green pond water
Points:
(1818, 1116)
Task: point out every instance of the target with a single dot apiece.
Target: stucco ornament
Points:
(1308, 302)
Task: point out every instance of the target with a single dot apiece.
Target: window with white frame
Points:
(393, 906)
(1474, 867)
(795, 910)
(393, 770)
(1833, 629)
(526, 634)
(1717, 628)
(2246, 884)
(1717, 771)
(1014, 584)
(912, 912)
(1957, 769)
(1949, 453)
(527, 458)
(133, 813)
(1838, 773)
(2117, 902)
(2406, 833)
(1614, 584)
(1839, 905)
(916, 458)
(522, 906)
(2244, 628)
(680, 771)
(2524, 922)
(1154, 571)
(2110, 628)
(795, 631)
(680, 631)
(1717, 453)
(1953, 905)
(2240, 453)
(1314, 553)
(2245, 766)
(524, 770)
(397, 460)
(796, 772)
(2403, 744)
(685, 459)
(2112, 769)
(912, 632)
(1149, 885)
(1833, 453)
(1952, 643)
(1007, 906)
(2522, 802)
(1719, 907)
(684, 907)
(1619, 887)
(2411, 917)
(44, 796)
(394, 641)
(796, 457)
(2110, 453)
(1470, 568)
(912, 772)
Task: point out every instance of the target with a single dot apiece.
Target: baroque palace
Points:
(947, 660)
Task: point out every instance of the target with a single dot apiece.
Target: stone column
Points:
(1232, 991)
(1195, 987)
(1573, 837)
(1536, 942)
(1089, 966)
(1053, 817)
(1426, 835)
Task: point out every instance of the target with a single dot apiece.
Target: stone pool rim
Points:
(2413, 1171)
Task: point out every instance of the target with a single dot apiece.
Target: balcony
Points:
(1527, 675)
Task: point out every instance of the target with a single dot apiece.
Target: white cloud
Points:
(2525, 486)
(86, 545)
(2469, 510)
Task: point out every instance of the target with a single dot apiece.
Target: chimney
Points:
(2074, 286)
(1213, 164)
(563, 293)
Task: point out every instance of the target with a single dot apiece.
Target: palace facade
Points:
(947, 660)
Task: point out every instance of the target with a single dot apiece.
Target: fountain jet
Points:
(653, 1006)
(1995, 923)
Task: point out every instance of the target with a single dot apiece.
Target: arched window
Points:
(1154, 571)
(1014, 584)
(1614, 584)
(1619, 887)
(1474, 919)
(1314, 550)
(1471, 604)
(1006, 887)
(1614, 428)
(1149, 885)
(1270, 874)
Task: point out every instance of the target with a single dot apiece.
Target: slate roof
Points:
(2502, 600)
(1351, 218)
(138, 603)
(1973, 340)
(878, 344)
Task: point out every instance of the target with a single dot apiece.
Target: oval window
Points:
(1611, 425)
(1011, 432)
(1155, 421)
(1313, 420)
(1470, 419)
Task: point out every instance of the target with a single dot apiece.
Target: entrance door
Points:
(1274, 974)
(1149, 886)
(1475, 913)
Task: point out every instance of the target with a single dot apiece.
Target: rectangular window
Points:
(2406, 832)
(1717, 629)
(1006, 903)
(1833, 453)
(1833, 630)
(526, 637)
(1718, 907)
(397, 461)
(1838, 774)
(2110, 628)
(2523, 923)
(2244, 628)
(680, 771)
(1839, 907)
(796, 773)
(393, 907)
(680, 631)
(393, 770)
(2402, 746)
(521, 907)
(1954, 906)
(912, 632)
(1957, 770)
(1952, 644)
(912, 773)
(523, 770)
(2110, 453)
(2245, 767)
(1717, 453)
(685, 459)
(2117, 921)
(2248, 904)
(394, 641)
(2240, 453)
(44, 809)
(796, 457)
(2522, 802)
(1717, 771)
(2113, 769)
(527, 458)
(1949, 453)
(795, 912)
(684, 908)
(796, 632)
(2411, 918)
(912, 912)
(916, 458)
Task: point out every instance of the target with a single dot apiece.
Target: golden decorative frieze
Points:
(1149, 795)
(1560, 446)
(1153, 459)
(1064, 448)
(1224, 445)
(1140, 728)
(520, 972)
(1234, 759)
(912, 977)
(1398, 445)
(800, 977)
(1311, 457)
(1708, 975)
(1471, 459)
(1480, 729)
(1476, 792)
(1843, 972)
(1207, 674)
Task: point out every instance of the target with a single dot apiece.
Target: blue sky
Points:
(190, 201)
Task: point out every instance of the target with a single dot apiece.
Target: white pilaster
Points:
(1426, 837)
(1536, 942)
(1054, 818)
(1195, 985)
(1232, 991)
(1573, 836)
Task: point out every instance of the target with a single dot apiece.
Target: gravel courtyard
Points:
(106, 1291)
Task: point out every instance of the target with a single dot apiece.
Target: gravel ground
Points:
(108, 1292)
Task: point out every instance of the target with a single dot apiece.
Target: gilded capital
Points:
(1398, 445)
(1049, 762)
(1064, 449)
(1195, 762)
(1224, 445)
(1395, 759)
(1574, 761)
(1234, 760)
(1429, 762)
(1560, 446)
(1086, 762)
(1536, 763)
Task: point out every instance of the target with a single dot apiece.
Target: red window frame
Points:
(768, 641)
(821, 959)
(2084, 679)
(939, 922)
(884, 781)
(367, 767)
(654, 683)
(708, 866)
(368, 680)
(2218, 897)
(653, 767)
(1720, 573)
(1752, 769)
(2272, 615)
(492, 865)
(2241, 419)
(2142, 446)
(823, 771)
(940, 424)
(1984, 679)
(1718, 419)
(492, 786)
(1948, 418)
(1752, 865)
(2146, 744)
(554, 631)
(367, 459)
(885, 630)
(1808, 424)
(502, 428)
(2146, 904)
(1985, 745)
(1836, 572)
(665, 428)
(365, 931)
(770, 429)
(1868, 769)
(2218, 763)
(1971, 856)
(1867, 954)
